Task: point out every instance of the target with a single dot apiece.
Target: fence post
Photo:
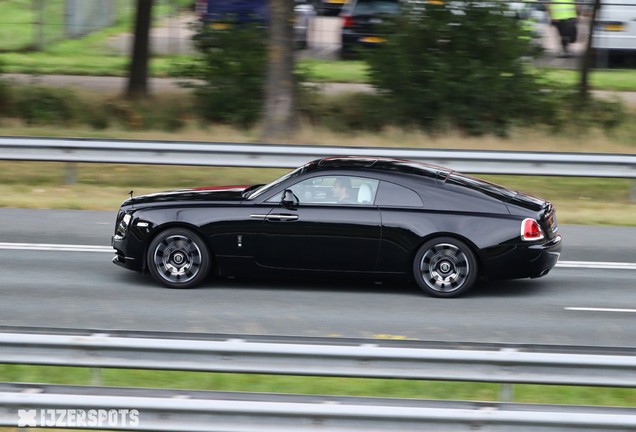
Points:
(38, 25)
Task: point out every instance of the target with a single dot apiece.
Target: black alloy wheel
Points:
(178, 258)
(445, 267)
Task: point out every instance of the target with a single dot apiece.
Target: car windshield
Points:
(290, 175)
(372, 7)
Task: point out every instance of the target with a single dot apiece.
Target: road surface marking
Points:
(597, 265)
(56, 247)
(108, 249)
(586, 309)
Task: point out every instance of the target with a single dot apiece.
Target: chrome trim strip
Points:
(284, 217)
(258, 216)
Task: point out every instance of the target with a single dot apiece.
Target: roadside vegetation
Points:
(518, 109)
(322, 386)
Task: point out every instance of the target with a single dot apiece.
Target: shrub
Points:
(232, 64)
(461, 62)
(348, 112)
(37, 104)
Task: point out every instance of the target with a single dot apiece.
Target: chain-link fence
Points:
(35, 25)
(102, 30)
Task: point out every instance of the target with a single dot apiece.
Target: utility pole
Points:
(138, 72)
(280, 105)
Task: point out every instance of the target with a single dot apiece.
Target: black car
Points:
(337, 217)
(361, 19)
(328, 7)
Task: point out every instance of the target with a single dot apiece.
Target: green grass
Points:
(334, 71)
(616, 80)
(320, 386)
(15, 24)
(82, 63)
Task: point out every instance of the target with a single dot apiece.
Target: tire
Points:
(178, 258)
(445, 267)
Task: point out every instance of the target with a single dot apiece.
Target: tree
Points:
(280, 113)
(587, 58)
(138, 72)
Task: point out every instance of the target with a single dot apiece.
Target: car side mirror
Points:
(288, 199)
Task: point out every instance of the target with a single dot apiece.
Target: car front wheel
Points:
(445, 267)
(178, 258)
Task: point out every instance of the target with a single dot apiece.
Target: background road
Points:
(85, 290)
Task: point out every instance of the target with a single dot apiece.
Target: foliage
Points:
(348, 112)
(40, 105)
(37, 104)
(463, 62)
(232, 64)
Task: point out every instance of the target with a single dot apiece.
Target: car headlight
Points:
(122, 228)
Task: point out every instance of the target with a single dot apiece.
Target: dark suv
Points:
(361, 18)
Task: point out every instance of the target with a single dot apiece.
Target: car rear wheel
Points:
(445, 267)
(178, 258)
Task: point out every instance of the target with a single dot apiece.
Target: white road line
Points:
(56, 247)
(597, 265)
(586, 309)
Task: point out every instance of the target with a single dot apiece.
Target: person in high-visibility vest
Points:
(563, 15)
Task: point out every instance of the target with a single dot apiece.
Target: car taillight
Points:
(530, 230)
(348, 20)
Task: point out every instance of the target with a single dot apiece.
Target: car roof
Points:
(381, 164)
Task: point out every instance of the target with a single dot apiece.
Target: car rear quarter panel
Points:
(404, 231)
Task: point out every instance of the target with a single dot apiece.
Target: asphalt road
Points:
(85, 290)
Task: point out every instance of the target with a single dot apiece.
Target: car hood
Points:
(211, 194)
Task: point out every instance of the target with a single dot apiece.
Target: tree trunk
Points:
(587, 59)
(280, 113)
(138, 73)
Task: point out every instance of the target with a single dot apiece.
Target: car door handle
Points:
(282, 217)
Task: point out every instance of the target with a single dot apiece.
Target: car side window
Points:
(333, 190)
(390, 194)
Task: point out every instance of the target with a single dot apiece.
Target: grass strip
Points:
(579, 201)
(321, 385)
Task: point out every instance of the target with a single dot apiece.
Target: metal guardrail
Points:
(291, 156)
(365, 360)
(186, 410)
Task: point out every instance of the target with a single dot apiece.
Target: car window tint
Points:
(466, 183)
(328, 190)
(391, 194)
(371, 7)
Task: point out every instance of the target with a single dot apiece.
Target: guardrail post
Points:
(71, 173)
(632, 191)
(507, 393)
(96, 377)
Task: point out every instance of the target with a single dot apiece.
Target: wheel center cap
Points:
(445, 267)
(178, 258)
